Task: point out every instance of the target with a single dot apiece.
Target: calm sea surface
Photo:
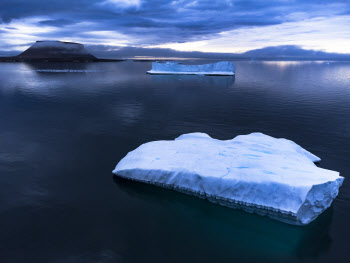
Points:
(64, 127)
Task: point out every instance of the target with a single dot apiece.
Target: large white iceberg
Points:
(255, 172)
(223, 68)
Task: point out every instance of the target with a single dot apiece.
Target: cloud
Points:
(206, 25)
(56, 22)
(122, 3)
(327, 34)
(17, 34)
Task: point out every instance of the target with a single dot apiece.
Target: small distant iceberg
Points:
(256, 172)
(223, 68)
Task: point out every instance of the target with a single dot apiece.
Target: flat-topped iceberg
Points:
(223, 68)
(255, 172)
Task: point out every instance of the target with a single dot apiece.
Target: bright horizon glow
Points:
(324, 34)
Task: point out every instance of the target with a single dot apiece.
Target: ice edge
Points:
(274, 213)
(152, 72)
(271, 212)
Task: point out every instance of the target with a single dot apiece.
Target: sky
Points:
(227, 26)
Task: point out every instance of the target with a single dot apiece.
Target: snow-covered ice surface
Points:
(224, 68)
(255, 172)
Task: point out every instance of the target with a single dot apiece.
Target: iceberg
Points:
(223, 68)
(255, 172)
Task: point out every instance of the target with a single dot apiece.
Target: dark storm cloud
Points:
(164, 21)
(56, 22)
(14, 9)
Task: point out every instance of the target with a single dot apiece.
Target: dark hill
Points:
(55, 51)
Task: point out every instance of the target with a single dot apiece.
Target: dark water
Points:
(62, 133)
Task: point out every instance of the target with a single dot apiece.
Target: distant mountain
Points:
(54, 51)
(68, 51)
(292, 52)
(288, 52)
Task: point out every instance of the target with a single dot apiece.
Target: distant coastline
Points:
(59, 51)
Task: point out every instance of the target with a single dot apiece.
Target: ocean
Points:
(64, 127)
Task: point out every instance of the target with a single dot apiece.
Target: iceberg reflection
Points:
(217, 81)
(249, 236)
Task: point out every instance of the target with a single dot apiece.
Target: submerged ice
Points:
(220, 68)
(255, 172)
